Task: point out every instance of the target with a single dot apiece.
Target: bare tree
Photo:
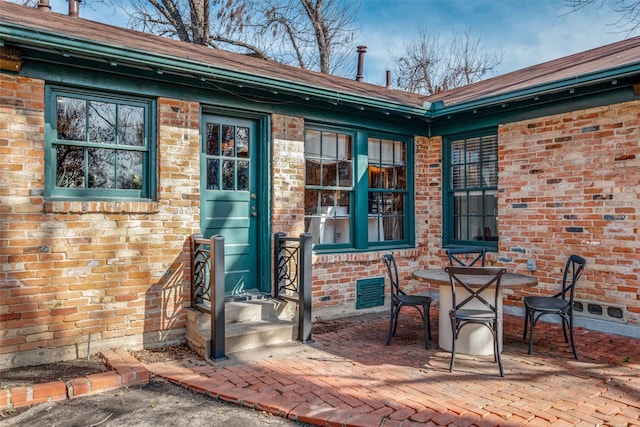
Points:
(628, 20)
(310, 34)
(428, 67)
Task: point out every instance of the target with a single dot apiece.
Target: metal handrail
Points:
(292, 277)
(207, 274)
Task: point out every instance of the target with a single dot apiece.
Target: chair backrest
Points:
(572, 271)
(476, 281)
(392, 269)
(466, 257)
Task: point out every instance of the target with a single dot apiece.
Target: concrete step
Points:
(248, 325)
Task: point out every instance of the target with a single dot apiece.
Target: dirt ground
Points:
(160, 403)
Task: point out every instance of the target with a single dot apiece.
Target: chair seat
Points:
(475, 315)
(414, 299)
(546, 304)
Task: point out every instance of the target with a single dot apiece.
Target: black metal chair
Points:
(560, 304)
(400, 299)
(466, 257)
(476, 281)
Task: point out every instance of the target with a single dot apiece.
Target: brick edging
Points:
(126, 371)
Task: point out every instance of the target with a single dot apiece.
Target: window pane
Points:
(228, 175)
(475, 203)
(386, 156)
(312, 143)
(102, 168)
(490, 174)
(129, 168)
(242, 142)
(228, 142)
(329, 145)
(69, 167)
(490, 203)
(329, 174)
(312, 169)
(460, 204)
(344, 174)
(131, 125)
(473, 150)
(213, 142)
(243, 175)
(311, 202)
(401, 178)
(71, 118)
(473, 176)
(344, 147)
(212, 174)
(102, 122)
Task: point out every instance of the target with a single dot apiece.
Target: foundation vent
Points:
(370, 292)
(597, 310)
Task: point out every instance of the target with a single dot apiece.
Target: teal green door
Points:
(228, 196)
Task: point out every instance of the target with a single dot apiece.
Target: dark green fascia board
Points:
(558, 103)
(21, 35)
(438, 109)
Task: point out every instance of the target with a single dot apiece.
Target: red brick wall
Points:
(116, 272)
(569, 184)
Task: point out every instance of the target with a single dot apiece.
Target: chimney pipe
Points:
(389, 84)
(44, 6)
(361, 51)
(74, 8)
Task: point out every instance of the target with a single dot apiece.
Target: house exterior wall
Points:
(79, 277)
(85, 276)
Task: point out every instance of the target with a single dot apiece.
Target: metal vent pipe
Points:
(44, 6)
(361, 51)
(74, 7)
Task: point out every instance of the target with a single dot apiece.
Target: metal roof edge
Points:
(439, 108)
(12, 33)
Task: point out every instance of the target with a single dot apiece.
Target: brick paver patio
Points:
(348, 377)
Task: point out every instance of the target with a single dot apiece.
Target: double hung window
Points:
(98, 146)
(351, 210)
(471, 191)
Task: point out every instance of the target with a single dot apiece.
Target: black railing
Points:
(292, 277)
(207, 274)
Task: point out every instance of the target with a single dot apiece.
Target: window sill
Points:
(109, 206)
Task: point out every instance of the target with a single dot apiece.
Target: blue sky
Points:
(525, 32)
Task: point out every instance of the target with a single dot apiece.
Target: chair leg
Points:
(531, 326)
(496, 349)
(526, 323)
(573, 343)
(425, 322)
(392, 320)
(454, 336)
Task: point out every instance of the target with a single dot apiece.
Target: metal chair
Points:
(476, 308)
(560, 304)
(400, 299)
(466, 257)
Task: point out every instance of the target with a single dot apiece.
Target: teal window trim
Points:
(142, 187)
(486, 218)
(359, 194)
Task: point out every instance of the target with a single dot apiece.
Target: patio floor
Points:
(348, 377)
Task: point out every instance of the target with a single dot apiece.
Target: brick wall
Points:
(91, 275)
(571, 184)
